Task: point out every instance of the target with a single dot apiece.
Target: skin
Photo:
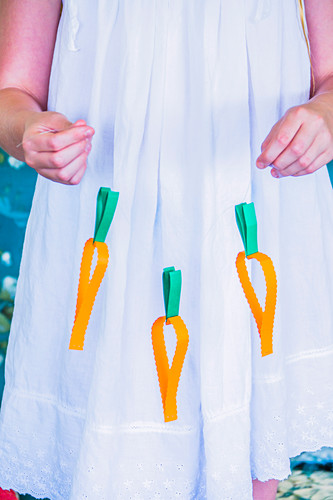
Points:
(302, 141)
(298, 144)
(48, 141)
(265, 491)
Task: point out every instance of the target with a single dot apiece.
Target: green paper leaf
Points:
(106, 206)
(330, 171)
(247, 224)
(172, 284)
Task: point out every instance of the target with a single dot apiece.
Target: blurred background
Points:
(312, 476)
(17, 182)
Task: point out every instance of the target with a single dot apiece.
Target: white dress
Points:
(181, 94)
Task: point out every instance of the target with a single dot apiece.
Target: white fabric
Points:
(181, 94)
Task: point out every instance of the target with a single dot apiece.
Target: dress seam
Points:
(48, 399)
(142, 427)
(212, 417)
(309, 354)
(129, 428)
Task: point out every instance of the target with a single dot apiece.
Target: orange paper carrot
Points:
(264, 319)
(89, 286)
(247, 224)
(88, 289)
(169, 377)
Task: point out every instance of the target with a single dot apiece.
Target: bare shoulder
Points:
(319, 14)
(27, 36)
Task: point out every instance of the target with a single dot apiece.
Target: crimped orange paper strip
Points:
(264, 319)
(88, 288)
(169, 377)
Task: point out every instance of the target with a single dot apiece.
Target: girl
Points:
(179, 96)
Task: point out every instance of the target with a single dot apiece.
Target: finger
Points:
(76, 179)
(304, 142)
(80, 167)
(280, 138)
(305, 160)
(295, 170)
(270, 135)
(319, 162)
(275, 173)
(301, 163)
(56, 159)
(80, 123)
(60, 140)
(320, 144)
(71, 174)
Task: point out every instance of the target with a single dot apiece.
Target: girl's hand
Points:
(56, 148)
(302, 141)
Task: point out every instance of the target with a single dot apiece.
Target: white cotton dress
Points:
(181, 94)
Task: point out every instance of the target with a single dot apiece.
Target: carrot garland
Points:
(89, 286)
(169, 377)
(247, 224)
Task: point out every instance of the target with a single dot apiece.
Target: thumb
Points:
(51, 121)
(59, 122)
(80, 123)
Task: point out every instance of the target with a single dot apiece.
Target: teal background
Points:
(17, 182)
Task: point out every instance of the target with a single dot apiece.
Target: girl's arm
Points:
(302, 141)
(28, 31)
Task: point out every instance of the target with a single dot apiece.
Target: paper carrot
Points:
(169, 377)
(247, 225)
(88, 286)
